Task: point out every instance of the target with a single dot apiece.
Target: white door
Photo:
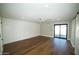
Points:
(0, 39)
(77, 36)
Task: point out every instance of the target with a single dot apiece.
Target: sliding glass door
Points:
(60, 31)
(57, 31)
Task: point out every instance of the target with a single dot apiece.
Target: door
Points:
(0, 38)
(77, 36)
(60, 31)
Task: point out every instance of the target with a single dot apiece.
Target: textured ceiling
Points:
(37, 12)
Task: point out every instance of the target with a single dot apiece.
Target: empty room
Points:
(39, 28)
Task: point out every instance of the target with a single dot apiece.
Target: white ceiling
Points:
(35, 12)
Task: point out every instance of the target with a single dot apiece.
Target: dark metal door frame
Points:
(60, 30)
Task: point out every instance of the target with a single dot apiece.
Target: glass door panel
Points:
(57, 30)
(63, 31)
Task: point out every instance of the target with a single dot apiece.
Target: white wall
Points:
(47, 28)
(15, 30)
(73, 27)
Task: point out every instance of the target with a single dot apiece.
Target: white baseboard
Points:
(47, 36)
(21, 39)
(72, 44)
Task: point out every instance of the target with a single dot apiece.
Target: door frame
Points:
(66, 30)
(1, 39)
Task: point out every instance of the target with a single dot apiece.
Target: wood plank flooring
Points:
(39, 46)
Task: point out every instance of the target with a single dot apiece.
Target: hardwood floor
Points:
(39, 46)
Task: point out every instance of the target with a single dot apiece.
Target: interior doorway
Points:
(60, 31)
